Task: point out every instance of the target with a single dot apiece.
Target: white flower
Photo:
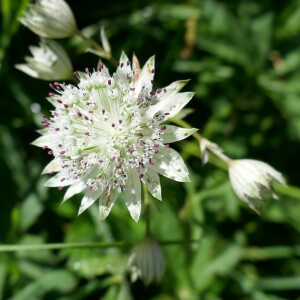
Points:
(147, 262)
(106, 136)
(251, 180)
(50, 19)
(49, 61)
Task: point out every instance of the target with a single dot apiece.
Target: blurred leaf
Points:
(222, 50)
(275, 283)
(91, 265)
(262, 34)
(33, 270)
(3, 275)
(178, 11)
(286, 64)
(44, 256)
(207, 263)
(289, 20)
(118, 292)
(10, 10)
(60, 281)
(31, 208)
(258, 295)
(13, 156)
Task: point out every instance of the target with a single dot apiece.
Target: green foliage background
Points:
(243, 59)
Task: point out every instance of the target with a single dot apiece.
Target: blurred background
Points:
(243, 59)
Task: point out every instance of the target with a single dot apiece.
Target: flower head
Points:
(106, 135)
(49, 61)
(147, 262)
(251, 180)
(50, 19)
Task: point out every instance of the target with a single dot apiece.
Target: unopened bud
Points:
(251, 181)
(147, 262)
(52, 19)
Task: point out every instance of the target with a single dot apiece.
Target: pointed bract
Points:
(152, 181)
(168, 108)
(133, 194)
(53, 167)
(173, 134)
(169, 163)
(106, 203)
(89, 198)
(75, 188)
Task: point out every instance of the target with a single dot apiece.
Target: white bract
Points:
(50, 19)
(251, 180)
(147, 262)
(49, 61)
(106, 135)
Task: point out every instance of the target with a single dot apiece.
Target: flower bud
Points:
(147, 262)
(251, 181)
(49, 61)
(50, 19)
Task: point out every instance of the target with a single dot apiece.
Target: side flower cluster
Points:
(49, 19)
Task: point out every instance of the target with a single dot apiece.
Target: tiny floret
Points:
(50, 19)
(251, 180)
(147, 262)
(107, 138)
(49, 61)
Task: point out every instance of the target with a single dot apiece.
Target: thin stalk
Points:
(147, 220)
(90, 41)
(50, 246)
(217, 153)
(97, 47)
(12, 248)
(147, 202)
(287, 190)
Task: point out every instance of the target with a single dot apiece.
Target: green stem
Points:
(90, 41)
(148, 221)
(272, 252)
(10, 248)
(147, 202)
(14, 248)
(287, 190)
(97, 47)
(218, 158)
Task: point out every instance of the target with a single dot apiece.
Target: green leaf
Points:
(3, 275)
(223, 50)
(60, 281)
(93, 265)
(178, 11)
(31, 208)
(210, 262)
(279, 283)
(262, 33)
(289, 20)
